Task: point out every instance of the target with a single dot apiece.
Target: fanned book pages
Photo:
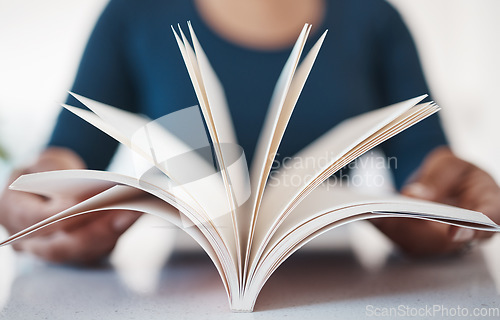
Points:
(191, 172)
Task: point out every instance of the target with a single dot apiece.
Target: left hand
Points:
(445, 178)
(80, 240)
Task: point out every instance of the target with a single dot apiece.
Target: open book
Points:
(191, 172)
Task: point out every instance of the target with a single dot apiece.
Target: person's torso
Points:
(340, 85)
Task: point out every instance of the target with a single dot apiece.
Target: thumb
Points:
(438, 178)
(419, 190)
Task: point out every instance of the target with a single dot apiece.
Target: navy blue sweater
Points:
(368, 61)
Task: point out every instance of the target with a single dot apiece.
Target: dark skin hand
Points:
(80, 240)
(445, 178)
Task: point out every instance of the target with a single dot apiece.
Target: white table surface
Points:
(328, 285)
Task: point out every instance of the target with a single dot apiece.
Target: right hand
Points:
(443, 177)
(80, 240)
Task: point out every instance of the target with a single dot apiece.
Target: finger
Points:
(58, 204)
(34, 209)
(23, 210)
(31, 209)
(461, 235)
(479, 190)
(422, 238)
(122, 220)
(491, 208)
(438, 177)
(85, 245)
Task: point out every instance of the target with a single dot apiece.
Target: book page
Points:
(123, 121)
(189, 175)
(63, 182)
(121, 197)
(329, 153)
(222, 133)
(285, 96)
(217, 117)
(326, 198)
(217, 103)
(328, 207)
(275, 112)
(106, 197)
(67, 183)
(156, 140)
(263, 150)
(194, 179)
(292, 240)
(89, 179)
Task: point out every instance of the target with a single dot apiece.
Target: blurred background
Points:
(41, 43)
(459, 42)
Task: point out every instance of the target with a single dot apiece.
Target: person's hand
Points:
(445, 178)
(80, 240)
